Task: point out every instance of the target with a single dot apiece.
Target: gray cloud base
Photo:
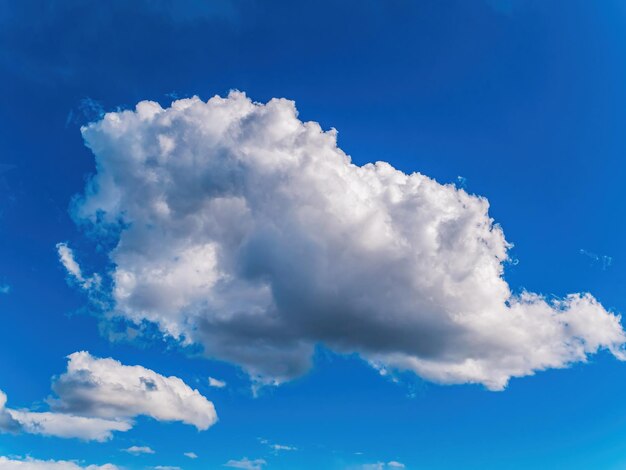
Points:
(7, 422)
(248, 231)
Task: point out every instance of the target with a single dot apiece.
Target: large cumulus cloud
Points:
(248, 231)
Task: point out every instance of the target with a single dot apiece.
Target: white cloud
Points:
(57, 424)
(247, 231)
(380, 466)
(279, 447)
(191, 455)
(136, 450)
(66, 256)
(33, 464)
(7, 422)
(96, 397)
(68, 426)
(216, 383)
(106, 388)
(5, 288)
(276, 447)
(246, 464)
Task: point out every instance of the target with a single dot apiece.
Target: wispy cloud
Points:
(391, 465)
(136, 450)
(276, 448)
(213, 382)
(66, 256)
(246, 464)
(604, 261)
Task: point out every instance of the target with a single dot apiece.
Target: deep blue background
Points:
(526, 100)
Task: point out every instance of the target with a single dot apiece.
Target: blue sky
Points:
(521, 102)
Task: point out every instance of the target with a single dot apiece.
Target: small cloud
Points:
(136, 450)
(391, 465)
(191, 455)
(96, 397)
(246, 464)
(66, 256)
(213, 382)
(5, 288)
(57, 424)
(106, 387)
(276, 447)
(279, 447)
